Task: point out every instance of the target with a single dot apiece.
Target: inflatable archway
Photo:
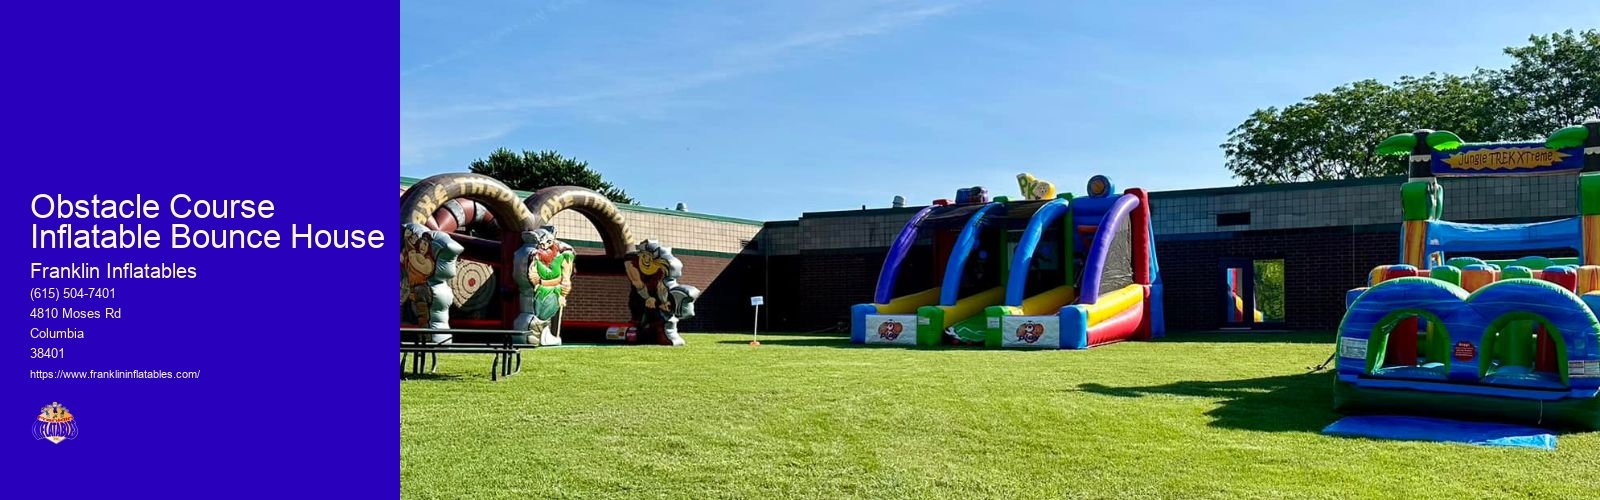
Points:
(544, 204)
(1463, 337)
(658, 302)
(474, 283)
(1472, 350)
(467, 232)
(441, 208)
(419, 203)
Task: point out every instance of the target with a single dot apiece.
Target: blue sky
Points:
(768, 109)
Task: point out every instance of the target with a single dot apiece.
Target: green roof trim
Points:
(409, 181)
(703, 253)
(675, 250)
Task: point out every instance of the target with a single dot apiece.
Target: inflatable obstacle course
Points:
(1454, 336)
(466, 236)
(1052, 272)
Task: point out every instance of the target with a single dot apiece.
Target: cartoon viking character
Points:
(659, 301)
(648, 274)
(427, 262)
(544, 278)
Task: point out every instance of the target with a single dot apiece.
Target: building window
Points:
(1233, 219)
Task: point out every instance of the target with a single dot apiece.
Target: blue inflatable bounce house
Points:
(1446, 335)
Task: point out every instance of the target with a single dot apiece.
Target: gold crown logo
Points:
(55, 413)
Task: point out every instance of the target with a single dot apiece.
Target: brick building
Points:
(1327, 235)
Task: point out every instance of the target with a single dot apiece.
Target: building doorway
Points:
(1252, 293)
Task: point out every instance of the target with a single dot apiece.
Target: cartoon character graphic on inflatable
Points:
(1034, 188)
(544, 267)
(659, 301)
(1030, 332)
(890, 330)
(427, 262)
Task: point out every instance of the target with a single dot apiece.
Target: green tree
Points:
(532, 171)
(1332, 135)
(1314, 139)
(1269, 289)
(1553, 82)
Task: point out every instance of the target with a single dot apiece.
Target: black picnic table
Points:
(500, 343)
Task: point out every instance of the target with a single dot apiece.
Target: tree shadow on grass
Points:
(1251, 337)
(1284, 403)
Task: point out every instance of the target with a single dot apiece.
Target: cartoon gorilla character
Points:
(659, 301)
(427, 262)
(544, 267)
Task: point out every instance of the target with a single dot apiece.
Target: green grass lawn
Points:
(1203, 415)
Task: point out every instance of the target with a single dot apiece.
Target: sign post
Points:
(755, 338)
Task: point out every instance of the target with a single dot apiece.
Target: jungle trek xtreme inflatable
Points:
(474, 256)
(1445, 335)
(1044, 271)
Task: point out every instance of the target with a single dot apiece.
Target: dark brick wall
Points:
(600, 291)
(1320, 266)
(832, 282)
(598, 297)
(785, 296)
(725, 289)
(804, 293)
(814, 291)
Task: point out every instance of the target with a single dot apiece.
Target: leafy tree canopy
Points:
(532, 171)
(1553, 82)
